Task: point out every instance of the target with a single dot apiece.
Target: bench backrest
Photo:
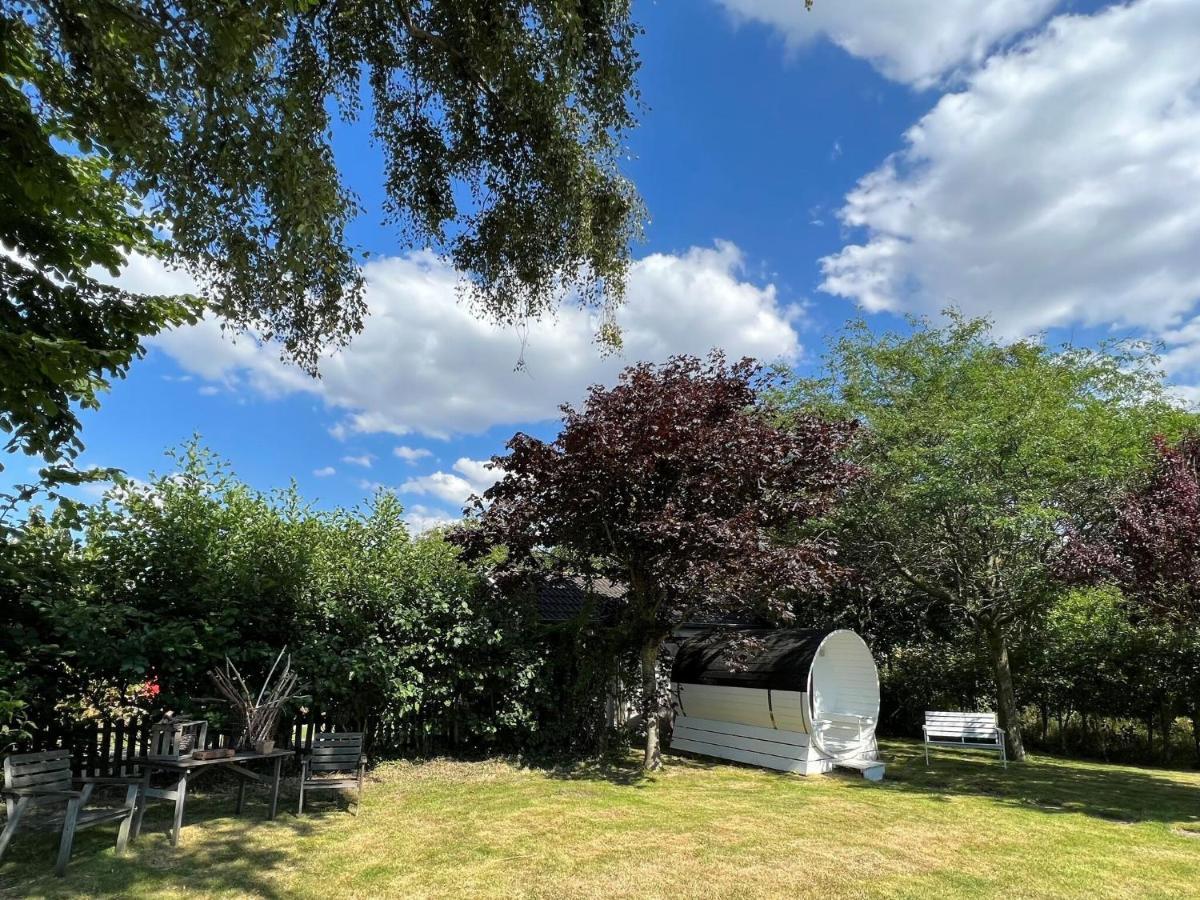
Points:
(961, 724)
(49, 770)
(334, 751)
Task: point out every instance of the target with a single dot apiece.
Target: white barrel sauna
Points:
(808, 702)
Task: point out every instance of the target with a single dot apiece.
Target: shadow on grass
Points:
(233, 865)
(625, 770)
(1053, 786)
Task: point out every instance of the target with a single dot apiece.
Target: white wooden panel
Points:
(961, 725)
(789, 709)
(738, 742)
(767, 761)
(982, 718)
(797, 738)
(747, 706)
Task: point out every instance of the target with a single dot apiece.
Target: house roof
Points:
(564, 597)
(561, 598)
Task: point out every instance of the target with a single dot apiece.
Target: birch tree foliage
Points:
(202, 133)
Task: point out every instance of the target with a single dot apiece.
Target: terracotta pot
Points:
(264, 746)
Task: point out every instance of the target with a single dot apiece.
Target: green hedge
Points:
(165, 579)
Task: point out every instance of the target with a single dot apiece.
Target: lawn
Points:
(965, 827)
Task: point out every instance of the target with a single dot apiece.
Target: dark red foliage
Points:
(1152, 548)
(672, 483)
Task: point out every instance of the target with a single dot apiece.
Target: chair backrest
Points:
(49, 770)
(334, 751)
(961, 724)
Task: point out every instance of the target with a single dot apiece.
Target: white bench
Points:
(964, 729)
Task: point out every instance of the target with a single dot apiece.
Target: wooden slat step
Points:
(871, 769)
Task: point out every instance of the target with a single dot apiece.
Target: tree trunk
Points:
(1166, 722)
(1010, 719)
(1196, 731)
(651, 704)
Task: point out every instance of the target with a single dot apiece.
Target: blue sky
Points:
(1035, 161)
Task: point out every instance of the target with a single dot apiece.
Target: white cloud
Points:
(1059, 187)
(410, 454)
(443, 485)
(363, 461)
(478, 472)
(423, 518)
(913, 41)
(325, 471)
(424, 364)
(473, 477)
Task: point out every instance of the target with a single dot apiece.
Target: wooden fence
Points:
(110, 748)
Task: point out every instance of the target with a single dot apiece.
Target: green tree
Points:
(201, 132)
(979, 455)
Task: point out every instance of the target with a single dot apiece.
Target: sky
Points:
(1030, 160)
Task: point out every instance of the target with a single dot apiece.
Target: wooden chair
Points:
(44, 778)
(340, 754)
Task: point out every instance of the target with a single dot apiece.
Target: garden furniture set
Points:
(335, 760)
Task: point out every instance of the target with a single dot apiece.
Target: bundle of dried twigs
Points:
(259, 714)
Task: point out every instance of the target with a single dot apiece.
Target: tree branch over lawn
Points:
(201, 133)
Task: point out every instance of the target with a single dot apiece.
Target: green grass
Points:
(964, 827)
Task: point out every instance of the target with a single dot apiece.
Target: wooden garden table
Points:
(185, 771)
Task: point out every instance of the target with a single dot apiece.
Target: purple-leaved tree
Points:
(1151, 546)
(673, 484)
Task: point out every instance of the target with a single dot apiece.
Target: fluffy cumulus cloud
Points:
(424, 364)
(469, 478)
(410, 454)
(1058, 187)
(916, 42)
(422, 518)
